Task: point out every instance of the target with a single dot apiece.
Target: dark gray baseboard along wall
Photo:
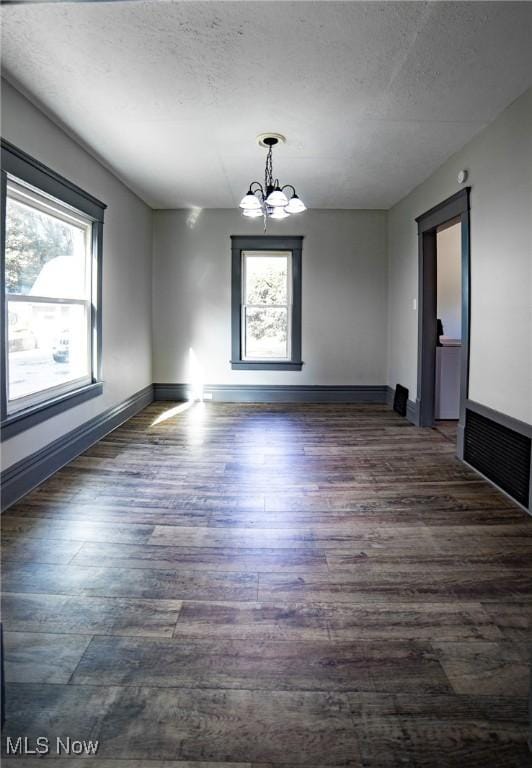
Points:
(25, 475)
(279, 393)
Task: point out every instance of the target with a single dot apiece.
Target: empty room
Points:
(266, 384)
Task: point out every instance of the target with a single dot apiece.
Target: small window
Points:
(51, 303)
(267, 304)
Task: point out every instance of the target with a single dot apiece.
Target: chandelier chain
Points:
(268, 172)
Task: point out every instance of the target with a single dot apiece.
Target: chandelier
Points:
(271, 200)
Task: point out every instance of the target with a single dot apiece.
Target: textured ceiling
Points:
(371, 96)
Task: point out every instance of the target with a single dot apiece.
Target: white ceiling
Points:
(371, 96)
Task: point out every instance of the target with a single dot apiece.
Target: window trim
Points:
(33, 199)
(16, 164)
(287, 305)
(241, 243)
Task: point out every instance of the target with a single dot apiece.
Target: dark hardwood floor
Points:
(270, 587)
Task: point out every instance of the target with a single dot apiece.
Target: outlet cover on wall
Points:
(414, 304)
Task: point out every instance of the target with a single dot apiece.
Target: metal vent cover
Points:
(400, 400)
(500, 453)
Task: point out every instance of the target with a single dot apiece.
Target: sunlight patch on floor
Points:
(171, 412)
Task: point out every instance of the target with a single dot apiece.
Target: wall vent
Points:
(500, 453)
(400, 400)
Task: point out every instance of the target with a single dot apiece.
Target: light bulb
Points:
(252, 213)
(279, 213)
(277, 198)
(250, 202)
(295, 205)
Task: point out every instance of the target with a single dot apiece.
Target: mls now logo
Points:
(64, 745)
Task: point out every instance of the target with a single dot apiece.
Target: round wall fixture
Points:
(270, 139)
(462, 176)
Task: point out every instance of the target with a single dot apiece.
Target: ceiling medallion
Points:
(270, 201)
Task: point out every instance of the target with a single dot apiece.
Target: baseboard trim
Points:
(498, 487)
(25, 475)
(501, 418)
(460, 438)
(281, 393)
(171, 392)
(412, 413)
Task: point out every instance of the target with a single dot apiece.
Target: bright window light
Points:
(266, 305)
(49, 287)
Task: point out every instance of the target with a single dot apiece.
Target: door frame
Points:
(455, 207)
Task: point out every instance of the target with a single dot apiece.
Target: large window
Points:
(266, 303)
(50, 274)
(48, 292)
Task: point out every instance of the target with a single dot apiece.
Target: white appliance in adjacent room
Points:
(447, 394)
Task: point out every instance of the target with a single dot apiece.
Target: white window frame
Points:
(33, 199)
(288, 305)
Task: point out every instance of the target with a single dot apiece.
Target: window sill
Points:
(16, 423)
(264, 365)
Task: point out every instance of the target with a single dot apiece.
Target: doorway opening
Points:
(443, 349)
(449, 328)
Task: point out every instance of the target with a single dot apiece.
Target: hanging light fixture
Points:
(279, 213)
(271, 200)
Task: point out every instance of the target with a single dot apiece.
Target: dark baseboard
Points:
(501, 418)
(22, 477)
(170, 392)
(460, 441)
(528, 509)
(263, 393)
(412, 413)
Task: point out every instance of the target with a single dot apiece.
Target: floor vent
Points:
(500, 453)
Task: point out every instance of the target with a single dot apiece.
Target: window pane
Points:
(266, 333)
(45, 256)
(266, 280)
(47, 346)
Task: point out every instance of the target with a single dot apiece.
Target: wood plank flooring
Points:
(270, 586)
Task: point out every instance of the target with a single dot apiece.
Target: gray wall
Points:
(126, 269)
(344, 296)
(347, 318)
(499, 161)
